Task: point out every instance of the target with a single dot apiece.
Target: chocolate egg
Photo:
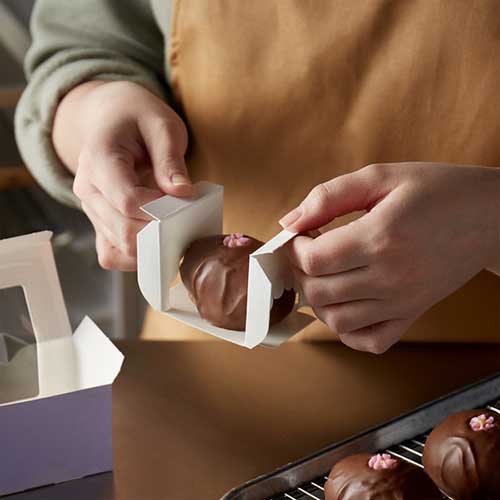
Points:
(215, 273)
(462, 455)
(378, 477)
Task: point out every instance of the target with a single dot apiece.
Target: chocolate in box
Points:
(176, 223)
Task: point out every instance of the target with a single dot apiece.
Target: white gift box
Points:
(177, 222)
(55, 393)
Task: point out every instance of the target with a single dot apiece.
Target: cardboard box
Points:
(55, 393)
(161, 244)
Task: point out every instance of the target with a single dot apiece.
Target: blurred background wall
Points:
(112, 299)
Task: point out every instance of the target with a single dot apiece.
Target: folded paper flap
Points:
(28, 261)
(163, 242)
(277, 270)
(269, 275)
(167, 206)
(199, 218)
(148, 268)
(274, 263)
(274, 243)
(99, 361)
(19, 244)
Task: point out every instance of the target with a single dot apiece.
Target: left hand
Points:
(428, 229)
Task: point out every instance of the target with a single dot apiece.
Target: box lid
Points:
(64, 362)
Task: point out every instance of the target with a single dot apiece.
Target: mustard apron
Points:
(281, 95)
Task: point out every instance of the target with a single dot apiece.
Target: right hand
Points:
(126, 149)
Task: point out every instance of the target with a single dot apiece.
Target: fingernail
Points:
(290, 217)
(179, 179)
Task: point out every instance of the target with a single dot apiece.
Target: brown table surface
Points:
(194, 419)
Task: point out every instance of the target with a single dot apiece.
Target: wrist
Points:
(70, 126)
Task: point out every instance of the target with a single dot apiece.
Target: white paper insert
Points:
(163, 242)
(66, 362)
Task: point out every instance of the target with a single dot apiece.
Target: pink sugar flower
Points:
(235, 240)
(482, 423)
(382, 461)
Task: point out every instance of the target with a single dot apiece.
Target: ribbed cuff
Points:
(36, 110)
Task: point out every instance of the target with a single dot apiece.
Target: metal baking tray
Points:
(403, 437)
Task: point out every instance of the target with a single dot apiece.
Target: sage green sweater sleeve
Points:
(75, 41)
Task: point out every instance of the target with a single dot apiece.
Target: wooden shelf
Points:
(14, 177)
(9, 96)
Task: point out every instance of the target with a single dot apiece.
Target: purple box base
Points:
(51, 440)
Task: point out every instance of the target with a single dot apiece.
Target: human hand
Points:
(428, 229)
(126, 148)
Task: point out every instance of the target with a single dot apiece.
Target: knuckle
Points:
(128, 240)
(172, 127)
(168, 158)
(81, 184)
(320, 194)
(87, 212)
(82, 188)
(337, 321)
(105, 259)
(162, 126)
(310, 263)
(129, 251)
(78, 189)
(376, 171)
(376, 346)
(126, 204)
(85, 157)
(312, 294)
(381, 242)
(340, 291)
(371, 344)
(125, 268)
(176, 127)
(120, 158)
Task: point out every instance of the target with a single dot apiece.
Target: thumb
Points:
(339, 196)
(166, 140)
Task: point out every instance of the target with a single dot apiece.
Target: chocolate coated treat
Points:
(378, 477)
(462, 455)
(215, 273)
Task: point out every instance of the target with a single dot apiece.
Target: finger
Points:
(166, 141)
(111, 258)
(313, 233)
(146, 176)
(377, 338)
(339, 196)
(350, 316)
(337, 288)
(99, 226)
(119, 230)
(112, 173)
(83, 186)
(335, 251)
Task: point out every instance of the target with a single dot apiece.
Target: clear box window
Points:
(18, 349)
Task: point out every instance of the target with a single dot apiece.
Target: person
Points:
(384, 112)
